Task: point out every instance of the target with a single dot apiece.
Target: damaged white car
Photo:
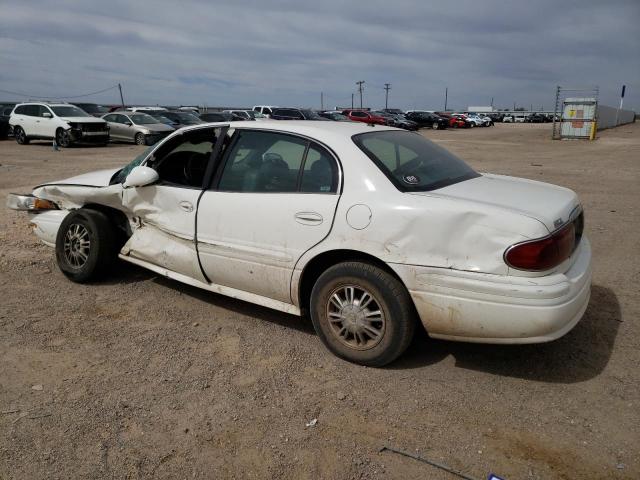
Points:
(367, 228)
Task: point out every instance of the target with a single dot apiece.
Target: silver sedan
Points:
(136, 127)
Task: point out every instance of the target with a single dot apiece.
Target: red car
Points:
(364, 116)
(454, 122)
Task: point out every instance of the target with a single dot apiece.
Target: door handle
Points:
(308, 218)
(186, 206)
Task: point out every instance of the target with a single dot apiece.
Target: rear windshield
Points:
(412, 162)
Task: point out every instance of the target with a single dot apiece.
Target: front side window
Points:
(412, 162)
(183, 160)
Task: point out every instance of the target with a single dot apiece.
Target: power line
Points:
(59, 96)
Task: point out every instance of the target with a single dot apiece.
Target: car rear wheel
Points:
(435, 126)
(140, 139)
(362, 313)
(63, 139)
(85, 245)
(21, 137)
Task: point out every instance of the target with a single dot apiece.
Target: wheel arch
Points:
(117, 218)
(325, 260)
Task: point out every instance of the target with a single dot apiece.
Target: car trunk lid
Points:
(550, 204)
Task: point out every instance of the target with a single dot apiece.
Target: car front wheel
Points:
(362, 313)
(21, 136)
(63, 139)
(85, 245)
(140, 139)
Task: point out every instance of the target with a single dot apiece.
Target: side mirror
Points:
(128, 124)
(141, 176)
(46, 115)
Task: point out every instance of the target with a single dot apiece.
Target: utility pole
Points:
(360, 83)
(352, 100)
(121, 97)
(446, 97)
(624, 87)
(492, 101)
(321, 100)
(387, 87)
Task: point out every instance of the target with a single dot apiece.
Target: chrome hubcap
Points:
(355, 317)
(76, 245)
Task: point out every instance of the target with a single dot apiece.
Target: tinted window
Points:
(109, 118)
(21, 110)
(358, 114)
(320, 174)
(32, 110)
(263, 162)
(412, 162)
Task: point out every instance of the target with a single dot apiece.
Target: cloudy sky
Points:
(285, 52)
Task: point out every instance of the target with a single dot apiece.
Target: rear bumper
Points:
(482, 308)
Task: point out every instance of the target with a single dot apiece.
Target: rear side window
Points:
(263, 162)
(412, 162)
(21, 110)
(272, 162)
(320, 173)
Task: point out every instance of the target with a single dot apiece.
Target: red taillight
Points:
(543, 254)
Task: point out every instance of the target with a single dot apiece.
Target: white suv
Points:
(264, 109)
(62, 122)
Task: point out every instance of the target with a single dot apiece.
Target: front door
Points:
(274, 199)
(165, 213)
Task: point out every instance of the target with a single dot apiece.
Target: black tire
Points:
(435, 126)
(63, 139)
(140, 139)
(21, 136)
(397, 324)
(100, 252)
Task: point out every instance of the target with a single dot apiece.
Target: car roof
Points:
(47, 104)
(319, 130)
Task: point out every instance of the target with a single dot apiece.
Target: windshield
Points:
(187, 118)
(311, 115)
(120, 176)
(412, 162)
(163, 119)
(142, 119)
(69, 111)
(258, 115)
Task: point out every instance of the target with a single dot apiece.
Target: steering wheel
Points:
(194, 169)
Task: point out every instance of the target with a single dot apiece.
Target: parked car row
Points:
(68, 124)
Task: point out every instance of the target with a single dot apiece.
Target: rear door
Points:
(275, 197)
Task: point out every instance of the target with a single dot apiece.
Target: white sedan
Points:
(367, 228)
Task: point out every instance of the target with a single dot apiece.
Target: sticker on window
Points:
(411, 179)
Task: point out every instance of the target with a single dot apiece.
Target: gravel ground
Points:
(142, 377)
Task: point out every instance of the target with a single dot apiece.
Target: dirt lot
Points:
(142, 377)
